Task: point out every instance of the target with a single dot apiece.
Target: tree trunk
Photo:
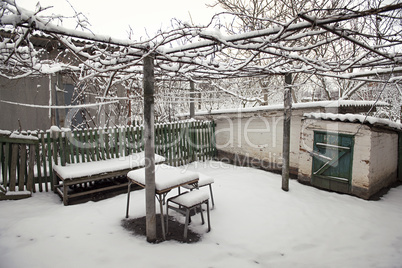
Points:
(287, 113)
(149, 148)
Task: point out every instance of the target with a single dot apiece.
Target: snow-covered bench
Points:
(88, 172)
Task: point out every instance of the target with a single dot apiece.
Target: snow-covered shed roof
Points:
(356, 118)
(305, 105)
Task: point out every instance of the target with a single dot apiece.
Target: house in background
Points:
(34, 91)
(25, 101)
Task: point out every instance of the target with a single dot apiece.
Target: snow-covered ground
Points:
(254, 224)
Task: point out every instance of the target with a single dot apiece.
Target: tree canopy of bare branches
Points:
(347, 41)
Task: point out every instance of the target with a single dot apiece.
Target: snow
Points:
(16, 135)
(5, 132)
(323, 104)
(254, 224)
(192, 198)
(355, 118)
(54, 129)
(203, 180)
(10, 193)
(97, 167)
(50, 106)
(165, 176)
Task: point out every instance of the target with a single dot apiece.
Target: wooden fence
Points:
(17, 154)
(30, 165)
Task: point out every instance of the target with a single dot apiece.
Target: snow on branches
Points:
(204, 51)
(345, 42)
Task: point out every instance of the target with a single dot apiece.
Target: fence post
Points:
(42, 157)
(49, 156)
(6, 163)
(62, 149)
(31, 163)
(22, 168)
(38, 164)
(13, 166)
(55, 137)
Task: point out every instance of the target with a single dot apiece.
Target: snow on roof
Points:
(316, 104)
(355, 118)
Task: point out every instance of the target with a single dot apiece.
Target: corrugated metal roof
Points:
(303, 105)
(356, 118)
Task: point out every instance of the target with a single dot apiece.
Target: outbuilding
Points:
(254, 136)
(349, 153)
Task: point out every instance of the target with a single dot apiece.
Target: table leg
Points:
(128, 197)
(162, 217)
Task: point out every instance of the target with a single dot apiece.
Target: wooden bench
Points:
(89, 172)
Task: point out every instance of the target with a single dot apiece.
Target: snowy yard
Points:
(254, 224)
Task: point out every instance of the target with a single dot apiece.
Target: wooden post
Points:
(31, 162)
(287, 113)
(13, 166)
(149, 148)
(192, 96)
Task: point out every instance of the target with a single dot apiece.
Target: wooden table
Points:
(166, 179)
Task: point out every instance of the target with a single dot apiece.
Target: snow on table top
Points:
(165, 176)
(191, 198)
(354, 118)
(77, 170)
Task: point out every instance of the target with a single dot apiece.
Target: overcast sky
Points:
(113, 17)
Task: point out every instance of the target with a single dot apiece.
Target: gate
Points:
(332, 161)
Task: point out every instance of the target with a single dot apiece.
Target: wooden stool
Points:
(186, 202)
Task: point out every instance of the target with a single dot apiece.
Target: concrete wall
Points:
(375, 154)
(383, 159)
(256, 138)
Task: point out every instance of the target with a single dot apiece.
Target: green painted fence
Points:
(17, 154)
(179, 142)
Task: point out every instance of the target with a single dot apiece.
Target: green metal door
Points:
(332, 161)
